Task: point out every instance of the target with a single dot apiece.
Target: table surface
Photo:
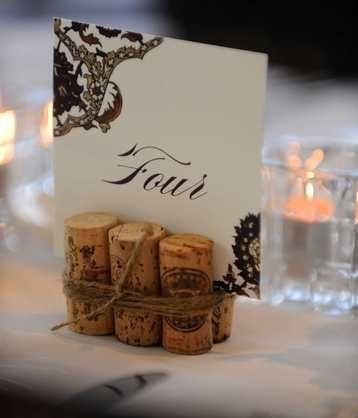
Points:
(278, 362)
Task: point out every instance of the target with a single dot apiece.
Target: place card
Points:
(162, 130)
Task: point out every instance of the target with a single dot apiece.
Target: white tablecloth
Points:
(278, 362)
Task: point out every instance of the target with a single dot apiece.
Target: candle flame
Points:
(309, 191)
(310, 201)
(7, 136)
(46, 133)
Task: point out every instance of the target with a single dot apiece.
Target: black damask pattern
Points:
(246, 250)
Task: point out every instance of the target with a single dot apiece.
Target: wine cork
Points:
(137, 328)
(87, 258)
(222, 320)
(186, 270)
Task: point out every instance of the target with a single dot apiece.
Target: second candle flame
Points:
(46, 134)
(309, 191)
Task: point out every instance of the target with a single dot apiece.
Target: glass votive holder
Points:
(309, 232)
(332, 289)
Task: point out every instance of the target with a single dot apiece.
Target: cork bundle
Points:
(142, 259)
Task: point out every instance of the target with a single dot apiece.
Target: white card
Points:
(162, 130)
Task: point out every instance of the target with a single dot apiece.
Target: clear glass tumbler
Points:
(310, 224)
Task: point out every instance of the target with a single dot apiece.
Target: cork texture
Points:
(222, 320)
(186, 270)
(87, 258)
(137, 328)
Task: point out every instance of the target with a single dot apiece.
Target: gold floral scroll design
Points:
(97, 98)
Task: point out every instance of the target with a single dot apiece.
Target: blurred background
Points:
(312, 81)
(316, 41)
(312, 89)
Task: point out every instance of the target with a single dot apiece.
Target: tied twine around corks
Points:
(115, 296)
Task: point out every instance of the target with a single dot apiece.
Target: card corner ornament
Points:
(85, 96)
(243, 275)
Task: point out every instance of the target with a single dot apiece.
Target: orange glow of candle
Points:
(308, 207)
(314, 159)
(307, 204)
(293, 160)
(46, 134)
(7, 136)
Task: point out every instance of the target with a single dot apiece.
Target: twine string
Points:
(116, 296)
(116, 289)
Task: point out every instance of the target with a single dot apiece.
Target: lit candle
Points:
(307, 204)
(7, 136)
(46, 134)
(308, 207)
(306, 226)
